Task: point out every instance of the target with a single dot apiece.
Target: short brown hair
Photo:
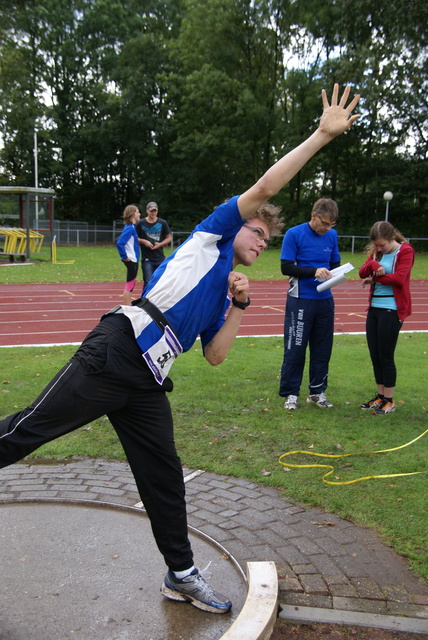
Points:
(328, 207)
(269, 213)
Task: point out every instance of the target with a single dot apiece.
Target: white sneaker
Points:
(320, 400)
(291, 403)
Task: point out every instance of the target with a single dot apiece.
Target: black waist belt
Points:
(152, 310)
(147, 306)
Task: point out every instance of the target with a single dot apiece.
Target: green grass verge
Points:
(230, 420)
(102, 264)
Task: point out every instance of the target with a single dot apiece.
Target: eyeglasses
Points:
(259, 233)
(325, 223)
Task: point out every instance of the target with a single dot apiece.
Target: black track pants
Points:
(107, 375)
(382, 330)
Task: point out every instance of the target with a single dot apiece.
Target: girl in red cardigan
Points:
(387, 269)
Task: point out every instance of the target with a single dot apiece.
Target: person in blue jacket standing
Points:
(122, 367)
(129, 249)
(309, 252)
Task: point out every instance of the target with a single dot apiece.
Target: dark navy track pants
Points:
(307, 322)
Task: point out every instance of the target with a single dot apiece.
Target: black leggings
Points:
(107, 375)
(382, 329)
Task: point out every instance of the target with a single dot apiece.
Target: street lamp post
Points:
(387, 196)
(36, 177)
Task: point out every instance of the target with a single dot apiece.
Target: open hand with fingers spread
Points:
(336, 118)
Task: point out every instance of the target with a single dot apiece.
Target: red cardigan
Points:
(399, 278)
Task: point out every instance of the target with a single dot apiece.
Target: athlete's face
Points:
(321, 223)
(250, 241)
(385, 246)
(152, 214)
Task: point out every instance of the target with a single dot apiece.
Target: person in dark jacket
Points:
(153, 235)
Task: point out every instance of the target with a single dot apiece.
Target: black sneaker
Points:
(374, 403)
(195, 590)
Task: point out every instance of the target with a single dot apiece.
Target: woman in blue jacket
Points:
(129, 250)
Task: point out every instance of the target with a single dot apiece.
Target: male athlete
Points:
(121, 369)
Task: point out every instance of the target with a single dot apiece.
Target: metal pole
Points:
(27, 225)
(387, 196)
(36, 177)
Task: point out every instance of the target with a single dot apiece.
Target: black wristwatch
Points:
(241, 305)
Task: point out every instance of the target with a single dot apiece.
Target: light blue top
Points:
(383, 294)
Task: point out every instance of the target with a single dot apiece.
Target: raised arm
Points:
(336, 119)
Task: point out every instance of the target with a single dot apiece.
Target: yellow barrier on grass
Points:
(15, 241)
(10, 239)
(54, 258)
(36, 241)
(21, 237)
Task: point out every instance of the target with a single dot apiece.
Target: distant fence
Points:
(83, 233)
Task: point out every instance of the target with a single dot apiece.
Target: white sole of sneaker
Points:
(174, 595)
(177, 596)
(375, 413)
(321, 406)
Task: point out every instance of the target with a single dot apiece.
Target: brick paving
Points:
(321, 559)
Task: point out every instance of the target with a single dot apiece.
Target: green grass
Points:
(229, 420)
(102, 264)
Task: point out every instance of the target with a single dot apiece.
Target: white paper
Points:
(332, 282)
(338, 276)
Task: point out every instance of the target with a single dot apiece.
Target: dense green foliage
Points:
(189, 102)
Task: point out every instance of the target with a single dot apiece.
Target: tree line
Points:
(187, 103)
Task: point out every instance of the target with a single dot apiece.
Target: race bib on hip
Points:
(162, 354)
